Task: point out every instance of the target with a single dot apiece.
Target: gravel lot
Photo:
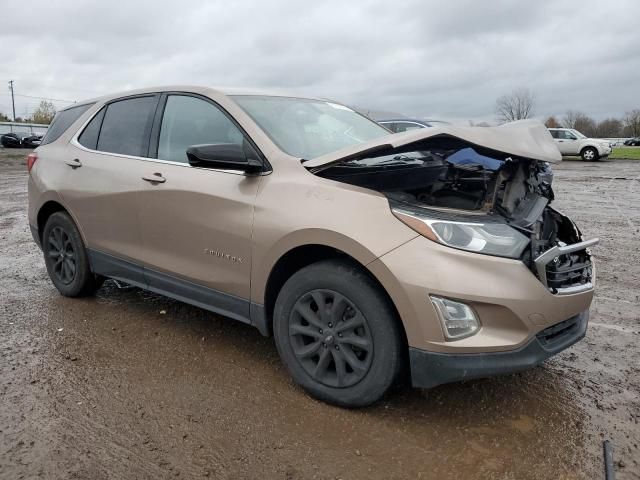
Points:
(133, 385)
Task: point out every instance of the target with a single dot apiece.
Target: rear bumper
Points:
(429, 369)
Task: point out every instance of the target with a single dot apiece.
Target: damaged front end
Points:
(475, 196)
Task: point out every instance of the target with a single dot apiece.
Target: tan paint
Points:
(174, 227)
(524, 138)
(503, 292)
(198, 210)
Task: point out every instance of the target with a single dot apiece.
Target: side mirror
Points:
(224, 156)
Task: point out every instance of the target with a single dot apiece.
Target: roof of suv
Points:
(228, 91)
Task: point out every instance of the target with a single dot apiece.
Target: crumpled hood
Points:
(524, 138)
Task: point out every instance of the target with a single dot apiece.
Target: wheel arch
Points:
(48, 208)
(589, 146)
(300, 256)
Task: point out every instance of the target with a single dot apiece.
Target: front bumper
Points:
(511, 302)
(605, 150)
(429, 369)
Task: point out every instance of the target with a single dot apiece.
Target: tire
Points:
(66, 257)
(589, 154)
(349, 356)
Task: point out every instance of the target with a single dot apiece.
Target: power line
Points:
(46, 98)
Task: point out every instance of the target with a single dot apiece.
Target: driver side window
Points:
(191, 121)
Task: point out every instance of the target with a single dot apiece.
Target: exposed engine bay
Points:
(446, 177)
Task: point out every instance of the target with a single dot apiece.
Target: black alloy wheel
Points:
(331, 338)
(66, 257)
(338, 333)
(61, 251)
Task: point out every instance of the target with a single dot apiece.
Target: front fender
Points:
(310, 236)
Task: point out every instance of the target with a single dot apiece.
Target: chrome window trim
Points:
(74, 141)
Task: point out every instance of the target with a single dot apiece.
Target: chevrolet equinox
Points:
(366, 254)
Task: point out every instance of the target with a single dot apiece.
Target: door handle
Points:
(155, 178)
(75, 163)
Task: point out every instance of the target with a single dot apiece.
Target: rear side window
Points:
(89, 137)
(126, 126)
(554, 133)
(565, 134)
(62, 121)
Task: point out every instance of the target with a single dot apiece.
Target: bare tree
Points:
(44, 113)
(632, 122)
(570, 118)
(609, 128)
(587, 126)
(551, 122)
(516, 106)
(581, 122)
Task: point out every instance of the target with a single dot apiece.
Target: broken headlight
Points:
(498, 239)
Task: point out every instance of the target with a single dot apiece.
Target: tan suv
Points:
(366, 254)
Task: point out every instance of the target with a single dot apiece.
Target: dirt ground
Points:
(133, 385)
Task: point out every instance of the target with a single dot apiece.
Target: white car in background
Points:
(572, 142)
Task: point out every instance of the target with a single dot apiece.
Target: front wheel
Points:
(337, 334)
(589, 154)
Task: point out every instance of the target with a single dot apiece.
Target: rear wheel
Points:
(589, 154)
(66, 258)
(337, 334)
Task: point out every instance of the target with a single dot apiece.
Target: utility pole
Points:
(13, 103)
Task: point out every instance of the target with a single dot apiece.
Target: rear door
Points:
(196, 223)
(106, 163)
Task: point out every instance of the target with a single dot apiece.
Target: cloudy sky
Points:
(435, 59)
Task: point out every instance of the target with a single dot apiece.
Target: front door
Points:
(567, 143)
(196, 223)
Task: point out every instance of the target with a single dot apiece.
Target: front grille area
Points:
(566, 269)
(569, 270)
(561, 257)
(556, 334)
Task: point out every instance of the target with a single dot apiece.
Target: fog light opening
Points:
(458, 319)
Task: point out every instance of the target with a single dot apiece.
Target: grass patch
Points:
(625, 153)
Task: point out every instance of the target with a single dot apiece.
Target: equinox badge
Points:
(226, 256)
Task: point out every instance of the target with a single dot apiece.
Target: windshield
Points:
(578, 134)
(307, 128)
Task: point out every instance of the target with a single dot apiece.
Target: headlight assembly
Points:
(498, 239)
